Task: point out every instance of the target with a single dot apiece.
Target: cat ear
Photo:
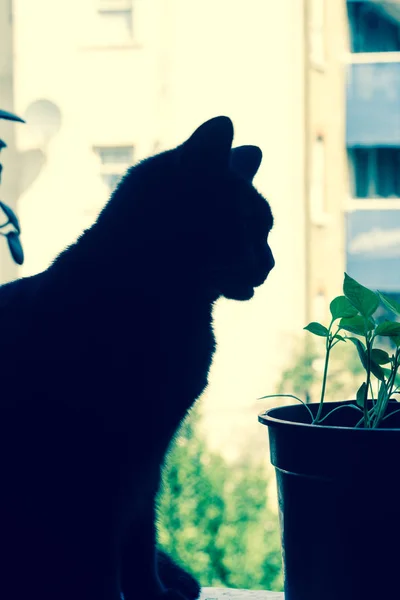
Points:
(210, 145)
(246, 160)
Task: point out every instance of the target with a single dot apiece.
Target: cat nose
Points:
(272, 264)
(270, 259)
(263, 265)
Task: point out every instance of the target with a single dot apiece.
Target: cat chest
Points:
(186, 360)
(135, 495)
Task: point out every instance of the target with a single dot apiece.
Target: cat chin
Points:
(241, 294)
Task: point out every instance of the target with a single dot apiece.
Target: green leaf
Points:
(4, 114)
(342, 307)
(390, 303)
(339, 337)
(362, 353)
(377, 370)
(363, 299)
(317, 329)
(382, 393)
(12, 217)
(361, 349)
(388, 328)
(388, 372)
(15, 247)
(357, 325)
(381, 403)
(360, 396)
(380, 357)
(395, 339)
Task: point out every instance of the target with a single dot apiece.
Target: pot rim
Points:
(266, 419)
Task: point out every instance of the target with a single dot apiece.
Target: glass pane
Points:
(128, 79)
(360, 163)
(386, 172)
(371, 30)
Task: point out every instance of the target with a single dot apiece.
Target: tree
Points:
(304, 377)
(214, 518)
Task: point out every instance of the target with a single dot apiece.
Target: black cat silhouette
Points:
(102, 356)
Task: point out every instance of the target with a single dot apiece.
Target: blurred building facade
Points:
(104, 83)
(325, 167)
(373, 145)
(353, 148)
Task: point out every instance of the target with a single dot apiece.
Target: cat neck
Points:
(99, 261)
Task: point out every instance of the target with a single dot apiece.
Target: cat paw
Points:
(173, 595)
(176, 579)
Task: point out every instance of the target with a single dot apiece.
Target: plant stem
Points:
(341, 408)
(370, 413)
(371, 389)
(325, 376)
(288, 396)
(366, 414)
(392, 377)
(390, 414)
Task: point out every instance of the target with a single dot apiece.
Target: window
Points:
(317, 182)
(374, 172)
(373, 247)
(371, 29)
(115, 20)
(114, 161)
(317, 31)
(114, 5)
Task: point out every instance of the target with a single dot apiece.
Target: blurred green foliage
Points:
(303, 377)
(213, 516)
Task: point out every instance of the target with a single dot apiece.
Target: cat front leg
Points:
(151, 574)
(139, 578)
(175, 578)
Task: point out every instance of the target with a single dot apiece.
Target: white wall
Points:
(107, 96)
(245, 60)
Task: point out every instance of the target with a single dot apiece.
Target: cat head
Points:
(239, 218)
(195, 217)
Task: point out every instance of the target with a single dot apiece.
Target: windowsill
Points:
(111, 46)
(373, 57)
(233, 594)
(372, 204)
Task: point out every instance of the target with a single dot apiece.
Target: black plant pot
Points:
(338, 494)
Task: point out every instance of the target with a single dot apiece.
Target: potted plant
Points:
(338, 465)
(10, 228)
